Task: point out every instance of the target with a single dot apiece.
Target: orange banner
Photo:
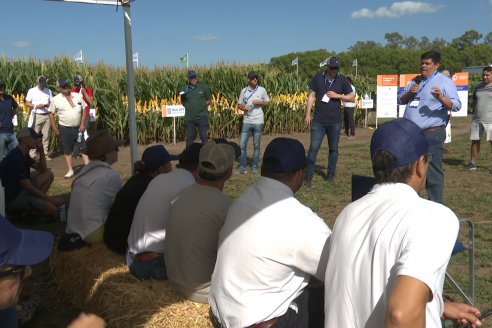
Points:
(387, 80)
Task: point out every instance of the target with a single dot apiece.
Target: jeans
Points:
(202, 124)
(247, 130)
(318, 131)
(348, 121)
(434, 184)
(150, 269)
(8, 141)
(8, 318)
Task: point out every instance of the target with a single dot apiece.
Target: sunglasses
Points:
(428, 157)
(19, 269)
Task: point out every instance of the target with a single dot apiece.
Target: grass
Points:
(467, 193)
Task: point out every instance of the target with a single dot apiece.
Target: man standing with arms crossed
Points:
(327, 90)
(429, 97)
(196, 97)
(482, 116)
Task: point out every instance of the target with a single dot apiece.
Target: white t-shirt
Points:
(92, 196)
(269, 246)
(255, 114)
(67, 115)
(350, 104)
(37, 96)
(389, 232)
(150, 219)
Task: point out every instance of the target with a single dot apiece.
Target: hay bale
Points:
(97, 280)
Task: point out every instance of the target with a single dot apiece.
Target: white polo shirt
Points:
(67, 115)
(148, 229)
(389, 232)
(269, 246)
(37, 96)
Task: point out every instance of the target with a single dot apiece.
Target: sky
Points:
(225, 31)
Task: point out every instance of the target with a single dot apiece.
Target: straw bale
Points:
(97, 280)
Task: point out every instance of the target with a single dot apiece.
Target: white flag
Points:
(295, 61)
(354, 63)
(79, 57)
(324, 63)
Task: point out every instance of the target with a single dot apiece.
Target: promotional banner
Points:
(404, 80)
(173, 110)
(461, 81)
(386, 101)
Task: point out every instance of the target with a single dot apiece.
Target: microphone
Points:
(417, 79)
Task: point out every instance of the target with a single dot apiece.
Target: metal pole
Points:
(130, 82)
(174, 130)
(297, 73)
(187, 60)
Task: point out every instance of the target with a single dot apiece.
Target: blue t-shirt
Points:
(7, 105)
(13, 168)
(330, 112)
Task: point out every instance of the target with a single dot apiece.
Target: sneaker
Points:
(48, 157)
(240, 170)
(471, 166)
(330, 178)
(308, 181)
(69, 174)
(350, 137)
(254, 170)
(27, 308)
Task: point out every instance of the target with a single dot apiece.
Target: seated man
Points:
(389, 249)
(25, 193)
(146, 245)
(155, 160)
(94, 188)
(193, 231)
(18, 250)
(269, 247)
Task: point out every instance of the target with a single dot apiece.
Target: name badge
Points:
(414, 103)
(325, 98)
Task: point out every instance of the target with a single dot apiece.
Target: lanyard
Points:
(251, 95)
(422, 85)
(329, 86)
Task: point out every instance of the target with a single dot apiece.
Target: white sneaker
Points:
(69, 174)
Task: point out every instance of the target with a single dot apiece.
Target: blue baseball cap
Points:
(401, 138)
(284, 155)
(23, 247)
(155, 156)
(191, 154)
(191, 74)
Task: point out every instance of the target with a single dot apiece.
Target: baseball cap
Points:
(284, 155)
(155, 156)
(191, 154)
(401, 138)
(100, 143)
(42, 80)
(216, 158)
(27, 132)
(191, 74)
(62, 83)
(23, 247)
(252, 74)
(77, 80)
(237, 149)
(333, 62)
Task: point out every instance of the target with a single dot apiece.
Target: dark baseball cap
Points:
(155, 156)
(42, 80)
(191, 154)
(237, 149)
(192, 74)
(28, 132)
(401, 138)
(333, 62)
(252, 74)
(62, 83)
(284, 155)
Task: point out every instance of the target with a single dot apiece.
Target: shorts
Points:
(25, 202)
(68, 138)
(477, 129)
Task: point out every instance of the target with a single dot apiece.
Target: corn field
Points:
(160, 86)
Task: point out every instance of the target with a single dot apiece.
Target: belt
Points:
(435, 128)
(42, 114)
(70, 127)
(146, 256)
(264, 324)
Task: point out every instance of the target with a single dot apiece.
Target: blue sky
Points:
(227, 31)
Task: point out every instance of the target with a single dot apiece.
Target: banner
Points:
(387, 92)
(173, 110)
(461, 81)
(404, 80)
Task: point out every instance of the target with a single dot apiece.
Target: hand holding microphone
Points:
(415, 86)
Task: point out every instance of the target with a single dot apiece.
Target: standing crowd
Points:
(263, 260)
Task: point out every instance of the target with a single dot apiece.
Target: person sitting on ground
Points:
(146, 248)
(26, 192)
(390, 249)
(193, 231)
(155, 160)
(19, 249)
(269, 247)
(94, 188)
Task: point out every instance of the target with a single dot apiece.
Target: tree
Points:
(424, 43)
(488, 39)
(468, 39)
(438, 43)
(365, 45)
(394, 40)
(410, 43)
